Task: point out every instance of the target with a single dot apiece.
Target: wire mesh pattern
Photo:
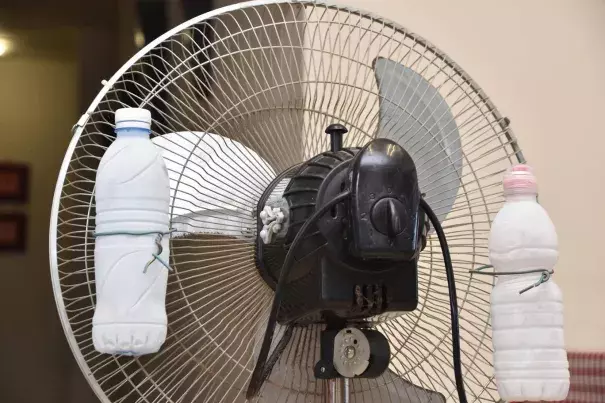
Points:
(269, 77)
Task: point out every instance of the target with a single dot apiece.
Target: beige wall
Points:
(541, 62)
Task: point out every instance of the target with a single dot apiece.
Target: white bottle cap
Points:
(520, 179)
(133, 118)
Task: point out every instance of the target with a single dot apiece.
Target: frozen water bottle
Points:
(530, 361)
(132, 219)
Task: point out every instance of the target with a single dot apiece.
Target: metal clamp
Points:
(80, 123)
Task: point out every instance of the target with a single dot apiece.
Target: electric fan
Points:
(313, 151)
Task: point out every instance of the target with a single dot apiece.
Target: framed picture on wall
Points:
(13, 232)
(14, 182)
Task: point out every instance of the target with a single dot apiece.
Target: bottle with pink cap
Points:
(530, 361)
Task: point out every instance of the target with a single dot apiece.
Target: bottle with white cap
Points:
(132, 197)
(530, 361)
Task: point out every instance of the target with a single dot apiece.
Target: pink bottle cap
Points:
(520, 179)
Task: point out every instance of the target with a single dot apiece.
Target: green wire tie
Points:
(158, 242)
(546, 274)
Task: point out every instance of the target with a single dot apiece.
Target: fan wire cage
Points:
(239, 95)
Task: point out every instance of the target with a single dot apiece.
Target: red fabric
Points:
(587, 383)
(587, 372)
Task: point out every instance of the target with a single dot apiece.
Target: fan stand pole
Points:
(337, 391)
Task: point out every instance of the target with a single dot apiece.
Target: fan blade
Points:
(414, 114)
(204, 171)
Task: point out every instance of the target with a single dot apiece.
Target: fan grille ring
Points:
(281, 117)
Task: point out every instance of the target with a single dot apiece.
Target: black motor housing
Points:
(360, 260)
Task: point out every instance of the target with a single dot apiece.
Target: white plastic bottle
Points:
(132, 196)
(530, 360)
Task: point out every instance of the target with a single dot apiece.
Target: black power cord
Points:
(451, 285)
(259, 372)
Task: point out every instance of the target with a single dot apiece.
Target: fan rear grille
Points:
(271, 77)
